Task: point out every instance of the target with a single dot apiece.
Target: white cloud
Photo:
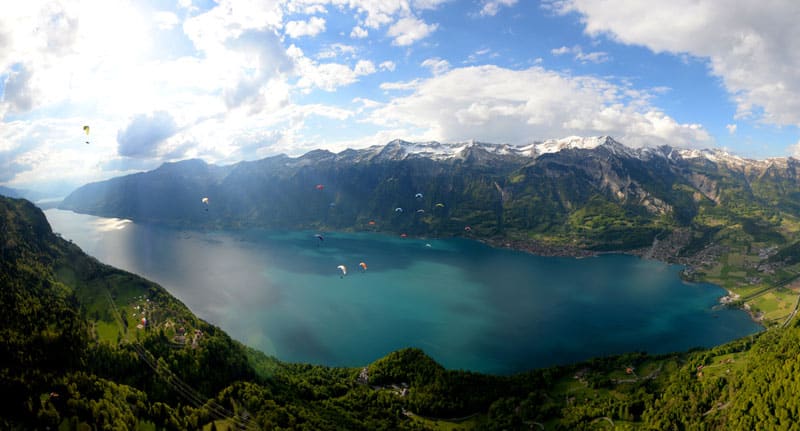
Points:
(400, 86)
(326, 76)
(142, 137)
(387, 66)
(358, 33)
(436, 65)
(578, 54)
(336, 50)
(731, 128)
(364, 67)
(314, 26)
(794, 150)
(410, 29)
(18, 93)
(561, 51)
(503, 105)
(166, 20)
(754, 47)
(491, 7)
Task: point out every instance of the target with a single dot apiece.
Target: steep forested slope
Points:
(73, 356)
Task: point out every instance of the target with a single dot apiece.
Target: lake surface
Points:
(467, 305)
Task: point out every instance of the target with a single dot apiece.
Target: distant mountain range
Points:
(591, 193)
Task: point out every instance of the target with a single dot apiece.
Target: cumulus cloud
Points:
(264, 62)
(436, 65)
(410, 29)
(326, 76)
(364, 67)
(18, 93)
(388, 65)
(144, 134)
(358, 33)
(491, 7)
(583, 57)
(166, 20)
(516, 106)
(10, 166)
(794, 150)
(754, 47)
(314, 26)
(336, 50)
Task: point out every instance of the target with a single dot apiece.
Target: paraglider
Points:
(86, 130)
(320, 238)
(398, 210)
(205, 202)
(467, 229)
(418, 195)
(420, 211)
(363, 266)
(343, 269)
(439, 205)
(372, 222)
(402, 235)
(319, 187)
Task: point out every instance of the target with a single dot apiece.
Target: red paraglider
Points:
(319, 187)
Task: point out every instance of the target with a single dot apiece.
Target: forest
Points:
(86, 346)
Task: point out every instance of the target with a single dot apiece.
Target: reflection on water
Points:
(107, 224)
(467, 305)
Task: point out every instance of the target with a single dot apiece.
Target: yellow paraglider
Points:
(86, 130)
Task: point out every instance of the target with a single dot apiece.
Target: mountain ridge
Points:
(545, 191)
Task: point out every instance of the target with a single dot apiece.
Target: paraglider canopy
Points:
(319, 237)
(467, 229)
(363, 266)
(319, 187)
(86, 130)
(372, 222)
(402, 235)
(204, 200)
(398, 210)
(343, 269)
(418, 195)
(440, 205)
(420, 211)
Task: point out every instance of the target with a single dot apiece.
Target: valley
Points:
(731, 221)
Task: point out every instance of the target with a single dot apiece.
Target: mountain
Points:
(87, 346)
(585, 193)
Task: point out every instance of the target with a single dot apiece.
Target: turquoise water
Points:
(467, 305)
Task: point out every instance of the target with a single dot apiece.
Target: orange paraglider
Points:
(363, 266)
(372, 222)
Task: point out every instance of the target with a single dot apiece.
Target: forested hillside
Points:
(83, 346)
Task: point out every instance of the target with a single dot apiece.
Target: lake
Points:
(467, 305)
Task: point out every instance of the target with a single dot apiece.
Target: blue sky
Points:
(240, 80)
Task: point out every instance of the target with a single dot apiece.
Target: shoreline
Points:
(663, 250)
(689, 263)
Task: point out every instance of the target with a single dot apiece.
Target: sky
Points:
(232, 80)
